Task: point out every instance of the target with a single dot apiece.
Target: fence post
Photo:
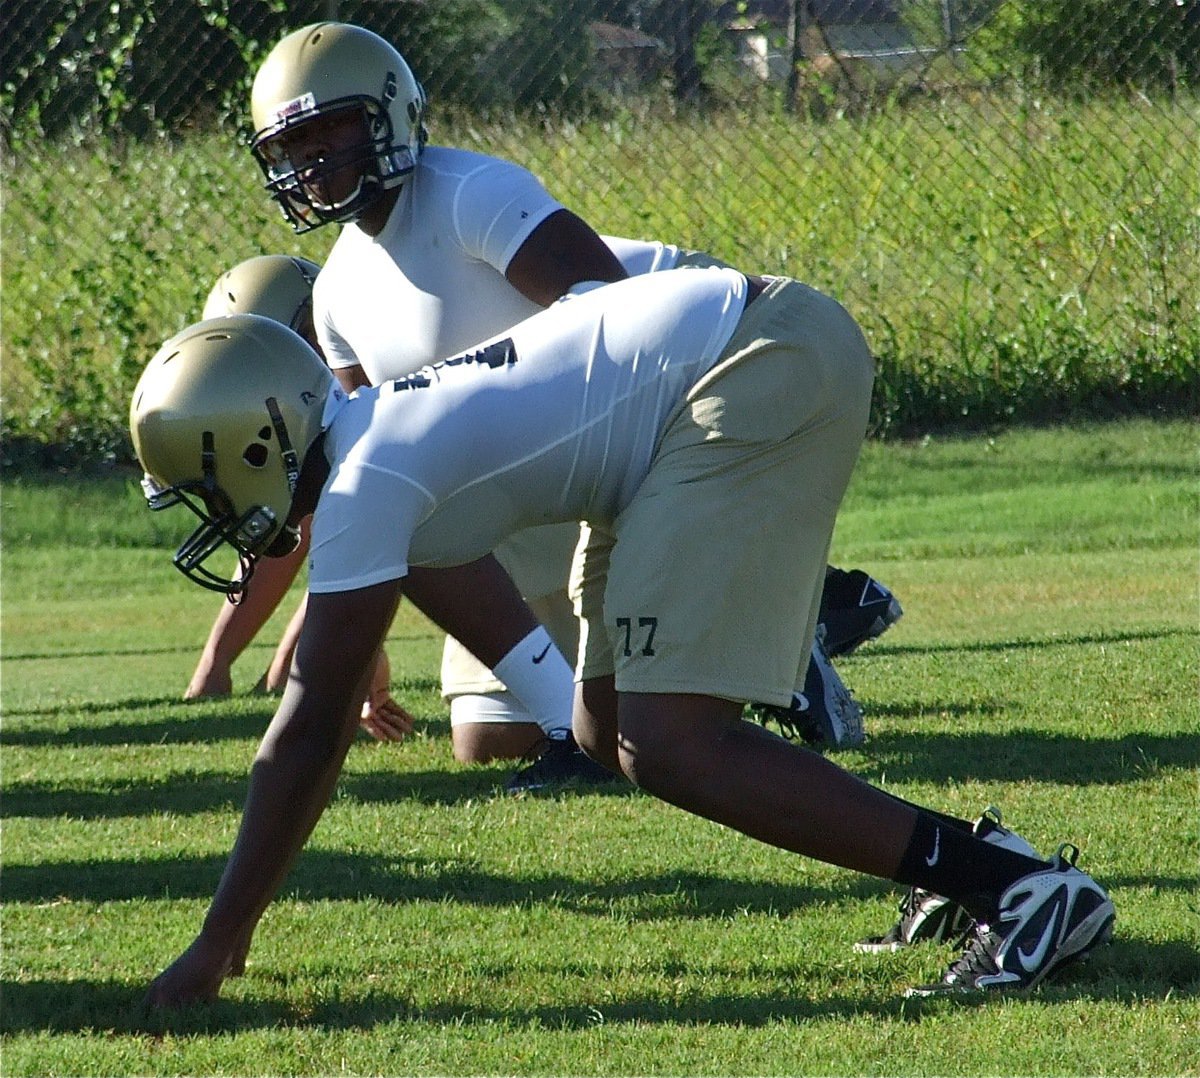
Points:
(797, 17)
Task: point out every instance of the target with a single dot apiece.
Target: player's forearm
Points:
(238, 624)
(302, 751)
(290, 785)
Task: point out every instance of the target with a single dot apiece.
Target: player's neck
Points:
(376, 215)
(313, 473)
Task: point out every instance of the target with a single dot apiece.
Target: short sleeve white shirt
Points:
(555, 421)
(642, 256)
(432, 283)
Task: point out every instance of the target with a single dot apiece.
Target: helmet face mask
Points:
(327, 74)
(216, 529)
(221, 420)
(298, 185)
(252, 535)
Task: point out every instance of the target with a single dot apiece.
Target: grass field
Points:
(1047, 663)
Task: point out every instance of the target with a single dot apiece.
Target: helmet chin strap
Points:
(291, 460)
(287, 538)
(208, 460)
(236, 591)
(284, 541)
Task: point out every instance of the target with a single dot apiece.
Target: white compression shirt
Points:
(555, 421)
(432, 282)
(642, 256)
(383, 302)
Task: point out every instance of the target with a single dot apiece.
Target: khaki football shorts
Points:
(539, 561)
(710, 580)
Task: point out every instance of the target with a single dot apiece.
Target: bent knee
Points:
(483, 742)
(666, 739)
(644, 752)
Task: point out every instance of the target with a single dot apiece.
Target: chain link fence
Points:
(1004, 192)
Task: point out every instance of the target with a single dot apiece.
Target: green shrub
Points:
(76, 67)
(999, 278)
(1081, 46)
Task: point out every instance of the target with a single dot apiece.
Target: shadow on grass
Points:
(174, 723)
(190, 648)
(1011, 756)
(326, 875)
(882, 646)
(1028, 644)
(969, 467)
(197, 792)
(332, 875)
(1130, 973)
(183, 722)
(1026, 756)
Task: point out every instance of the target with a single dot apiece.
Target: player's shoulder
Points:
(452, 162)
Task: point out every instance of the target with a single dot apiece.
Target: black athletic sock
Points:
(949, 821)
(954, 863)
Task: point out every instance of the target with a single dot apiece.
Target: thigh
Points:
(556, 612)
(463, 674)
(589, 578)
(539, 559)
(713, 582)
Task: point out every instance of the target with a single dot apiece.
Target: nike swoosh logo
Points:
(545, 651)
(1030, 960)
(871, 593)
(932, 859)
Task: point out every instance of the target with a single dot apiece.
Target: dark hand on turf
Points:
(194, 977)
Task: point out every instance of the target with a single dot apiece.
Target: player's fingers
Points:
(386, 720)
(396, 716)
(377, 731)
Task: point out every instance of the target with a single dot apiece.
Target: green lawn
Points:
(1047, 663)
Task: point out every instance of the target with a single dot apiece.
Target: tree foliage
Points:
(1083, 46)
(78, 66)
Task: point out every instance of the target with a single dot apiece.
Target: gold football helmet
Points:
(278, 287)
(318, 72)
(221, 420)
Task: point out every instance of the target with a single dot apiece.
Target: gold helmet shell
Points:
(221, 420)
(320, 70)
(278, 287)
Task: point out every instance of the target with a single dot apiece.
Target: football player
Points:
(278, 287)
(708, 423)
(340, 138)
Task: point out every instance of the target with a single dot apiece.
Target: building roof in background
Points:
(829, 12)
(609, 35)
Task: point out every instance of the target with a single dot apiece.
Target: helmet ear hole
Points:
(256, 455)
(265, 434)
